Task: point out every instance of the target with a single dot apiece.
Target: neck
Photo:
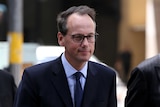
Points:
(77, 66)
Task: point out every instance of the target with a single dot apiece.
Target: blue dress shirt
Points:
(69, 71)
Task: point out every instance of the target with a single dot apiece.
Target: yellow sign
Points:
(16, 43)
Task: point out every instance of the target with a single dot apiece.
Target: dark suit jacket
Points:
(7, 89)
(144, 84)
(45, 85)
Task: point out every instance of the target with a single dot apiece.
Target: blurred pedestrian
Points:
(144, 84)
(7, 89)
(123, 65)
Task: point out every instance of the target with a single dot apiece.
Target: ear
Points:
(60, 39)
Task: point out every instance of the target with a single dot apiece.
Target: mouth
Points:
(84, 52)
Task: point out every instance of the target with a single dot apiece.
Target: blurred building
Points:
(40, 23)
(121, 25)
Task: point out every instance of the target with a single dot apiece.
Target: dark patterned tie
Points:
(78, 90)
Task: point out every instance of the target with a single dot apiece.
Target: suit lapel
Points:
(59, 81)
(157, 69)
(90, 86)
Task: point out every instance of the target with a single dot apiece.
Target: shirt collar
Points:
(70, 70)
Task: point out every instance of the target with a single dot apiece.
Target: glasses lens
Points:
(91, 38)
(79, 38)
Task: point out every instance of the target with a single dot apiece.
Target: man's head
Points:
(62, 17)
(77, 33)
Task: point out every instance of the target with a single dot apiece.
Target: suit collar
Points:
(70, 70)
(59, 81)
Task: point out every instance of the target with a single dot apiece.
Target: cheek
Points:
(71, 49)
(71, 46)
(92, 46)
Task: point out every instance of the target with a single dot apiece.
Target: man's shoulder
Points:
(44, 66)
(102, 67)
(5, 74)
(149, 63)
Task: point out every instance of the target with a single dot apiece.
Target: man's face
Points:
(83, 25)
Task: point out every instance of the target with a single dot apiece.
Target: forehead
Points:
(80, 22)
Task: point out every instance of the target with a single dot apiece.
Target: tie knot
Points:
(78, 75)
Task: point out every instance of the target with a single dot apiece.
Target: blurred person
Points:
(53, 83)
(144, 84)
(7, 89)
(123, 65)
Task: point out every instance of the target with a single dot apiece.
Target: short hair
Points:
(63, 16)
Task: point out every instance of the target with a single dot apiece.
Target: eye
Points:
(78, 37)
(90, 36)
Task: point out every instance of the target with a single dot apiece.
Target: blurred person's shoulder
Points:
(5, 74)
(149, 63)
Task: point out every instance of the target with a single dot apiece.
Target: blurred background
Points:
(129, 32)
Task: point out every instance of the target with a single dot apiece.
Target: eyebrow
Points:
(84, 34)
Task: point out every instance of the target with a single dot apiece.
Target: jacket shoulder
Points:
(102, 67)
(43, 67)
(149, 63)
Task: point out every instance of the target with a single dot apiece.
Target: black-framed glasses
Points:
(78, 38)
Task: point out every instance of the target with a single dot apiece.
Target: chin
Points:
(84, 59)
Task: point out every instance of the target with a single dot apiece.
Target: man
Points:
(53, 84)
(7, 89)
(144, 84)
